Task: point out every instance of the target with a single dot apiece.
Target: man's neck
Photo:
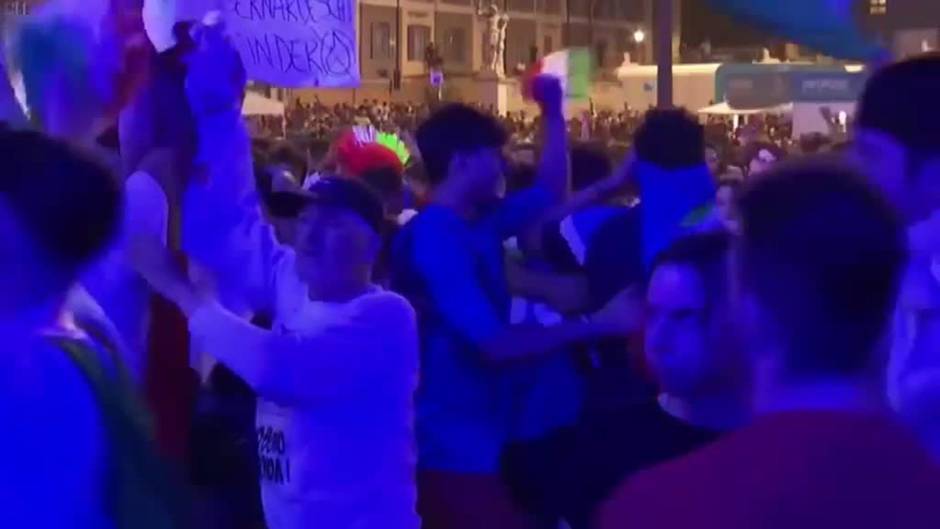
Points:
(452, 198)
(712, 412)
(831, 394)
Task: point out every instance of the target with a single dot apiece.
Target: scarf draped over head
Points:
(670, 199)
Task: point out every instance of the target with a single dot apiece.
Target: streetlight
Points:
(638, 37)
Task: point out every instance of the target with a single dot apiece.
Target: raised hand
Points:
(216, 78)
(547, 92)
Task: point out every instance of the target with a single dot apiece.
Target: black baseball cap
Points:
(286, 204)
(348, 194)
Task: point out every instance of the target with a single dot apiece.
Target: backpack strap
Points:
(141, 494)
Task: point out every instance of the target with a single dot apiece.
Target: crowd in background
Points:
(476, 322)
(580, 423)
(312, 126)
(322, 121)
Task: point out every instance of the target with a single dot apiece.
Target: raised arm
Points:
(554, 167)
(224, 231)
(223, 227)
(524, 209)
(592, 195)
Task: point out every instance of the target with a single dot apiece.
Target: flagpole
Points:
(662, 32)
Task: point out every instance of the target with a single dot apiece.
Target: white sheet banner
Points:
(296, 43)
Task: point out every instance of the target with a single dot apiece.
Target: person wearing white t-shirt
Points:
(335, 376)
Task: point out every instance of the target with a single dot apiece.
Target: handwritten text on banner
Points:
(296, 43)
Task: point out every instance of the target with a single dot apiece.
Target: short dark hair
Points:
(707, 253)
(317, 149)
(384, 181)
(754, 149)
(901, 100)
(822, 251)
(589, 164)
(70, 205)
(453, 129)
(671, 139)
(291, 157)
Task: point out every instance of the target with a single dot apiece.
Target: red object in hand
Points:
(529, 77)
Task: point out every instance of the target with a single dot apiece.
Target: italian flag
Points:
(571, 65)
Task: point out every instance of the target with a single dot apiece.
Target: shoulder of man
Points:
(924, 241)
(391, 307)
(429, 221)
(704, 482)
(920, 288)
(643, 501)
(395, 325)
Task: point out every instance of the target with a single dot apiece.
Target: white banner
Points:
(296, 43)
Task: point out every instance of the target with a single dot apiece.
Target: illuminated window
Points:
(419, 36)
(455, 44)
(381, 42)
(17, 7)
(877, 7)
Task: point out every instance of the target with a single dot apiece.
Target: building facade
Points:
(11, 9)
(393, 37)
(907, 27)
(394, 34)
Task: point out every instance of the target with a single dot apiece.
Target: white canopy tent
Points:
(256, 104)
(723, 109)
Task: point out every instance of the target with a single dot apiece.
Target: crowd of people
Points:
(318, 121)
(399, 330)
(730, 148)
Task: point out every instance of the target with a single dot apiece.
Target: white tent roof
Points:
(723, 109)
(257, 105)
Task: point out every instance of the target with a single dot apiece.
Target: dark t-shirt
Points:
(603, 244)
(613, 445)
(799, 469)
(609, 250)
